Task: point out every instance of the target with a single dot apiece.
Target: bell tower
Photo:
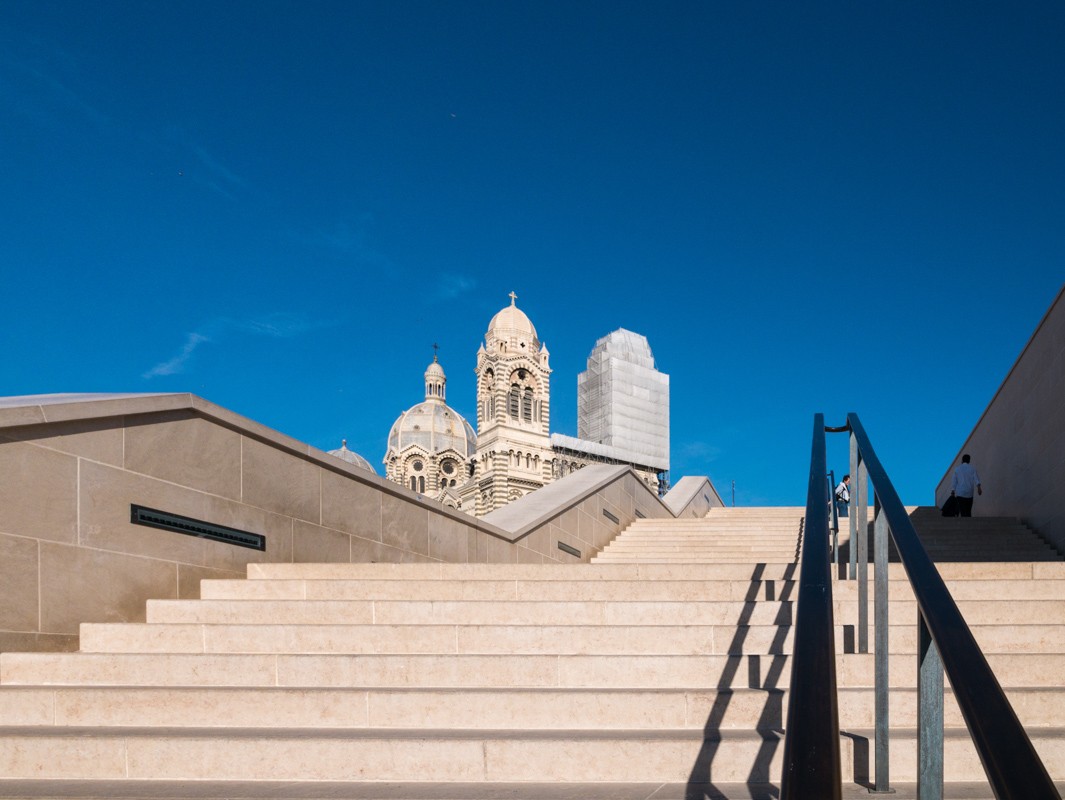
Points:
(513, 410)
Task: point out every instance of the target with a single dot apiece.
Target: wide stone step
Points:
(505, 708)
(512, 709)
(561, 671)
(532, 572)
(408, 790)
(975, 612)
(963, 571)
(371, 670)
(711, 558)
(469, 612)
(439, 639)
(1003, 590)
(473, 756)
(525, 639)
(369, 589)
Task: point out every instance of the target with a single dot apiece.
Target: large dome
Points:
(435, 427)
(512, 326)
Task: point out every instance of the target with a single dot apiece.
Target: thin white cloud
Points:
(349, 241)
(276, 326)
(41, 70)
(700, 450)
(216, 167)
(177, 363)
(452, 286)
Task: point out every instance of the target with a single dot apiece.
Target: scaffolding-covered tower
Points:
(623, 401)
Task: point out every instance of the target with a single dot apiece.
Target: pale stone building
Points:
(431, 445)
(514, 454)
(623, 402)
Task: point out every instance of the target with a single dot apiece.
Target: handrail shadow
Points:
(760, 781)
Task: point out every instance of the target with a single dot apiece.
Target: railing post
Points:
(851, 527)
(861, 513)
(881, 536)
(929, 716)
(835, 516)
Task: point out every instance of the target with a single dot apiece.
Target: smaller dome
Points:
(512, 325)
(435, 370)
(352, 457)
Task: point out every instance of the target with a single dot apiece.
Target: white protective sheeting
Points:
(623, 401)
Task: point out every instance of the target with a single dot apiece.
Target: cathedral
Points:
(623, 418)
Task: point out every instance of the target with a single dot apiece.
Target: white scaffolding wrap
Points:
(623, 401)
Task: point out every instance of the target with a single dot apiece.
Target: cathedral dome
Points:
(351, 457)
(512, 326)
(434, 427)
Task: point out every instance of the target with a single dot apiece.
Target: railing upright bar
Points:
(835, 516)
(851, 517)
(861, 512)
(811, 767)
(881, 533)
(929, 716)
(1012, 765)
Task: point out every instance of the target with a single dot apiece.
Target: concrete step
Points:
(531, 572)
(976, 612)
(558, 671)
(473, 756)
(1002, 590)
(439, 639)
(711, 558)
(417, 790)
(469, 612)
(504, 708)
(524, 639)
(494, 590)
(371, 670)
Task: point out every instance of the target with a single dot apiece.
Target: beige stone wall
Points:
(584, 511)
(70, 470)
(1018, 445)
(69, 554)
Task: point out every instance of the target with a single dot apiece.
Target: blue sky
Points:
(281, 206)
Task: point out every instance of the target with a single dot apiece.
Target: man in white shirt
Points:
(843, 496)
(963, 483)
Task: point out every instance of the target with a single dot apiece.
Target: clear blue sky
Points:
(281, 206)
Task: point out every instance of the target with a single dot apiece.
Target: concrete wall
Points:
(1018, 445)
(71, 466)
(692, 496)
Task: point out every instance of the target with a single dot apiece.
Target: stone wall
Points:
(72, 466)
(1018, 445)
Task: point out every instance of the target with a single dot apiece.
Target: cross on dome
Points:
(513, 297)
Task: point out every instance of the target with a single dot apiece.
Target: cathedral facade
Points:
(433, 450)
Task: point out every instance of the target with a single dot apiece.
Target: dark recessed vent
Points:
(139, 515)
(610, 516)
(707, 499)
(565, 548)
(639, 514)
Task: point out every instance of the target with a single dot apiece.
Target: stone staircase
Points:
(665, 678)
(723, 536)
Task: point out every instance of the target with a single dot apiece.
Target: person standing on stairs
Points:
(963, 483)
(843, 496)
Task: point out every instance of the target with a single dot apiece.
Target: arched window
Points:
(526, 405)
(421, 483)
(413, 483)
(513, 400)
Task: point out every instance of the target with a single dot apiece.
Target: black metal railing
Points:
(945, 644)
(811, 743)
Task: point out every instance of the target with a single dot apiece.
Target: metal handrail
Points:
(811, 744)
(1013, 767)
